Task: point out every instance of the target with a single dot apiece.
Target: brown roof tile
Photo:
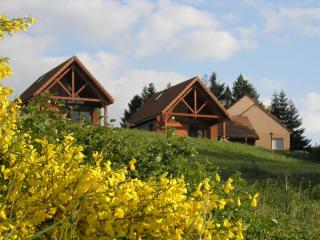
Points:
(240, 127)
(155, 104)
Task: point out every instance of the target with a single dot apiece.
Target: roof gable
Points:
(44, 82)
(165, 100)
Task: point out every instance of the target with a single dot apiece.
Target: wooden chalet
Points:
(72, 82)
(189, 107)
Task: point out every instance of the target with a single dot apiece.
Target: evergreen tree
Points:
(215, 87)
(227, 98)
(243, 87)
(133, 106)
(287, 113)
(148, 91)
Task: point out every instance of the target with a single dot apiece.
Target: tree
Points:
(136, 102)
(227, 97)
(133, 106)
(215, 87)
(148, 91)
(243, 87)
(287, 113)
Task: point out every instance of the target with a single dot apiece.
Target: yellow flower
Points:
(228, 186)
(238, 202)
(254, 200)
(217, 177)
(132, 164)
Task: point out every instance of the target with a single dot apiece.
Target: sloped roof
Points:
(239, 127)
(262, 108)
(40, 84)
(155, 104)
(161, 101)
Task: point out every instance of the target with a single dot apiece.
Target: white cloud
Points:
(311, 112)
(132, 82)
(271, 84)
(202, 44)
(303, 20)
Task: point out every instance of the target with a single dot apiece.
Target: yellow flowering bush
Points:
(48, 191)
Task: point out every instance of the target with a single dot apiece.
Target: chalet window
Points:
(277, 144)
(77, 115)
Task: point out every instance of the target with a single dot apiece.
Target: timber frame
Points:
(72, 82)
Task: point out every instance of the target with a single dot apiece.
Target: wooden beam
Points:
(77, 99)
(193, 115)
(195, 102)
(58, 79)
(202, 106)
(80, 90)
(184, 101)
(65, 89)
(178, 101)
(105, 116)
(88, 82)
(72, 79)
(224, 130)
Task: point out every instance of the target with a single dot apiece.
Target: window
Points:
(77, 115)
(277, 144)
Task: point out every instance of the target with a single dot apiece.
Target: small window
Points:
(277, 144)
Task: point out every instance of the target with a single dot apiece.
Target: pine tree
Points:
(148, 91)
(215, 87)
(227, 98)
(136, 102)
(133, 106)
(243, 87)
(287, 113)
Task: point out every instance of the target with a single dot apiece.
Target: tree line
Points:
(281, 106)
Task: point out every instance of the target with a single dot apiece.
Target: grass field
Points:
(253, 162)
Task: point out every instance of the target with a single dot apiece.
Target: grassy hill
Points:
(253, 162)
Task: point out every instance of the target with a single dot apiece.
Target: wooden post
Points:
(72, 82)
(224, 130)
(195, 103)
(105, 119)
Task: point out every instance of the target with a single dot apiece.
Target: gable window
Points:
(277, 144)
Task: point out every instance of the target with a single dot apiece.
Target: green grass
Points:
(253, 162)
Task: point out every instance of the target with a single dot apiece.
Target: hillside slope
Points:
(253, 162)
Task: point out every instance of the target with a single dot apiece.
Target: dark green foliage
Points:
(215, 87)
(243, 87)
(286, 111)
(148, 91)
(136, 102)
(133, 106)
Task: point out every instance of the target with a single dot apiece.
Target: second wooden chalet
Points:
(189, 107)
(72, 83)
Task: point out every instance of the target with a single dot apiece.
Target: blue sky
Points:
(127, 44)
